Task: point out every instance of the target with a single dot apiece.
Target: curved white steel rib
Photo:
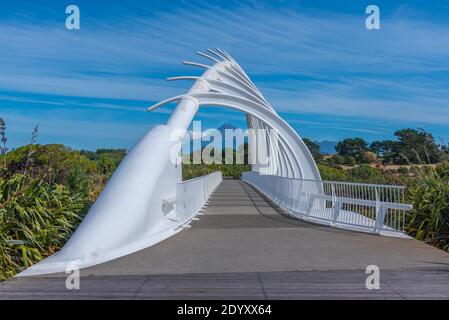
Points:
(229, 86)
(135, 210)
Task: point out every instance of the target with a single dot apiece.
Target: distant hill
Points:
(327, 147)
(222, 129)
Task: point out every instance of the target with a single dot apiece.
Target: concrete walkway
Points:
(243, 247)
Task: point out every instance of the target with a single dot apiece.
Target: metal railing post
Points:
(367, 207)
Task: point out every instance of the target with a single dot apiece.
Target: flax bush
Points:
(429, 220)
(36, 219)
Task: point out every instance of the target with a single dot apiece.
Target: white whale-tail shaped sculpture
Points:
(145, 201)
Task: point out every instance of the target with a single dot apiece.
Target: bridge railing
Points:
(192, 195)
(360, 206)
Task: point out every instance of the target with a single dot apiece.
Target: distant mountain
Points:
(222, 129)
(225, 126)
(327, 147)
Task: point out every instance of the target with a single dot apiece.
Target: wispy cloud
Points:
(314, 61)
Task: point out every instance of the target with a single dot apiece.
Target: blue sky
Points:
(315, 61)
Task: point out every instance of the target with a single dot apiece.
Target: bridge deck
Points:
(242, 247)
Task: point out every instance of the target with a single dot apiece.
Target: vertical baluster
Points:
(399, 210)
(398, 201)
(391, 201)
(353, 205)
(394, 213)
(357, 207)
(373, 198)
(364, 206)
(348, 206)
(360, 209)
(403, 212)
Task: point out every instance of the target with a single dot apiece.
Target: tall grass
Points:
(36, 219)
(36, 215)
(429, 194)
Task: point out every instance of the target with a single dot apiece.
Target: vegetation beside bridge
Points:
(45, 190)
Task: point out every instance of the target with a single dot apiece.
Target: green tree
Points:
(377, 148)
(417, 146)
(388, 150)
(352, 148)
(314, 149)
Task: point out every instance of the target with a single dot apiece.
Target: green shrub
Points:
(190, 171)
(44, 191)
(331, 173)
(429, 220)
(84, 172)
(367, 174)
(350, 161)
(333, 161)
(442, 170)
(403, 171)
(369, 157)
(36, 219)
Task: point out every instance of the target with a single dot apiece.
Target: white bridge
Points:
(146, 200)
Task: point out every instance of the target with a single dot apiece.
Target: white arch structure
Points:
(225, 84)
(146, 201)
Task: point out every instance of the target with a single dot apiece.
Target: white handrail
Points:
(192, 195)
(365, 207)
